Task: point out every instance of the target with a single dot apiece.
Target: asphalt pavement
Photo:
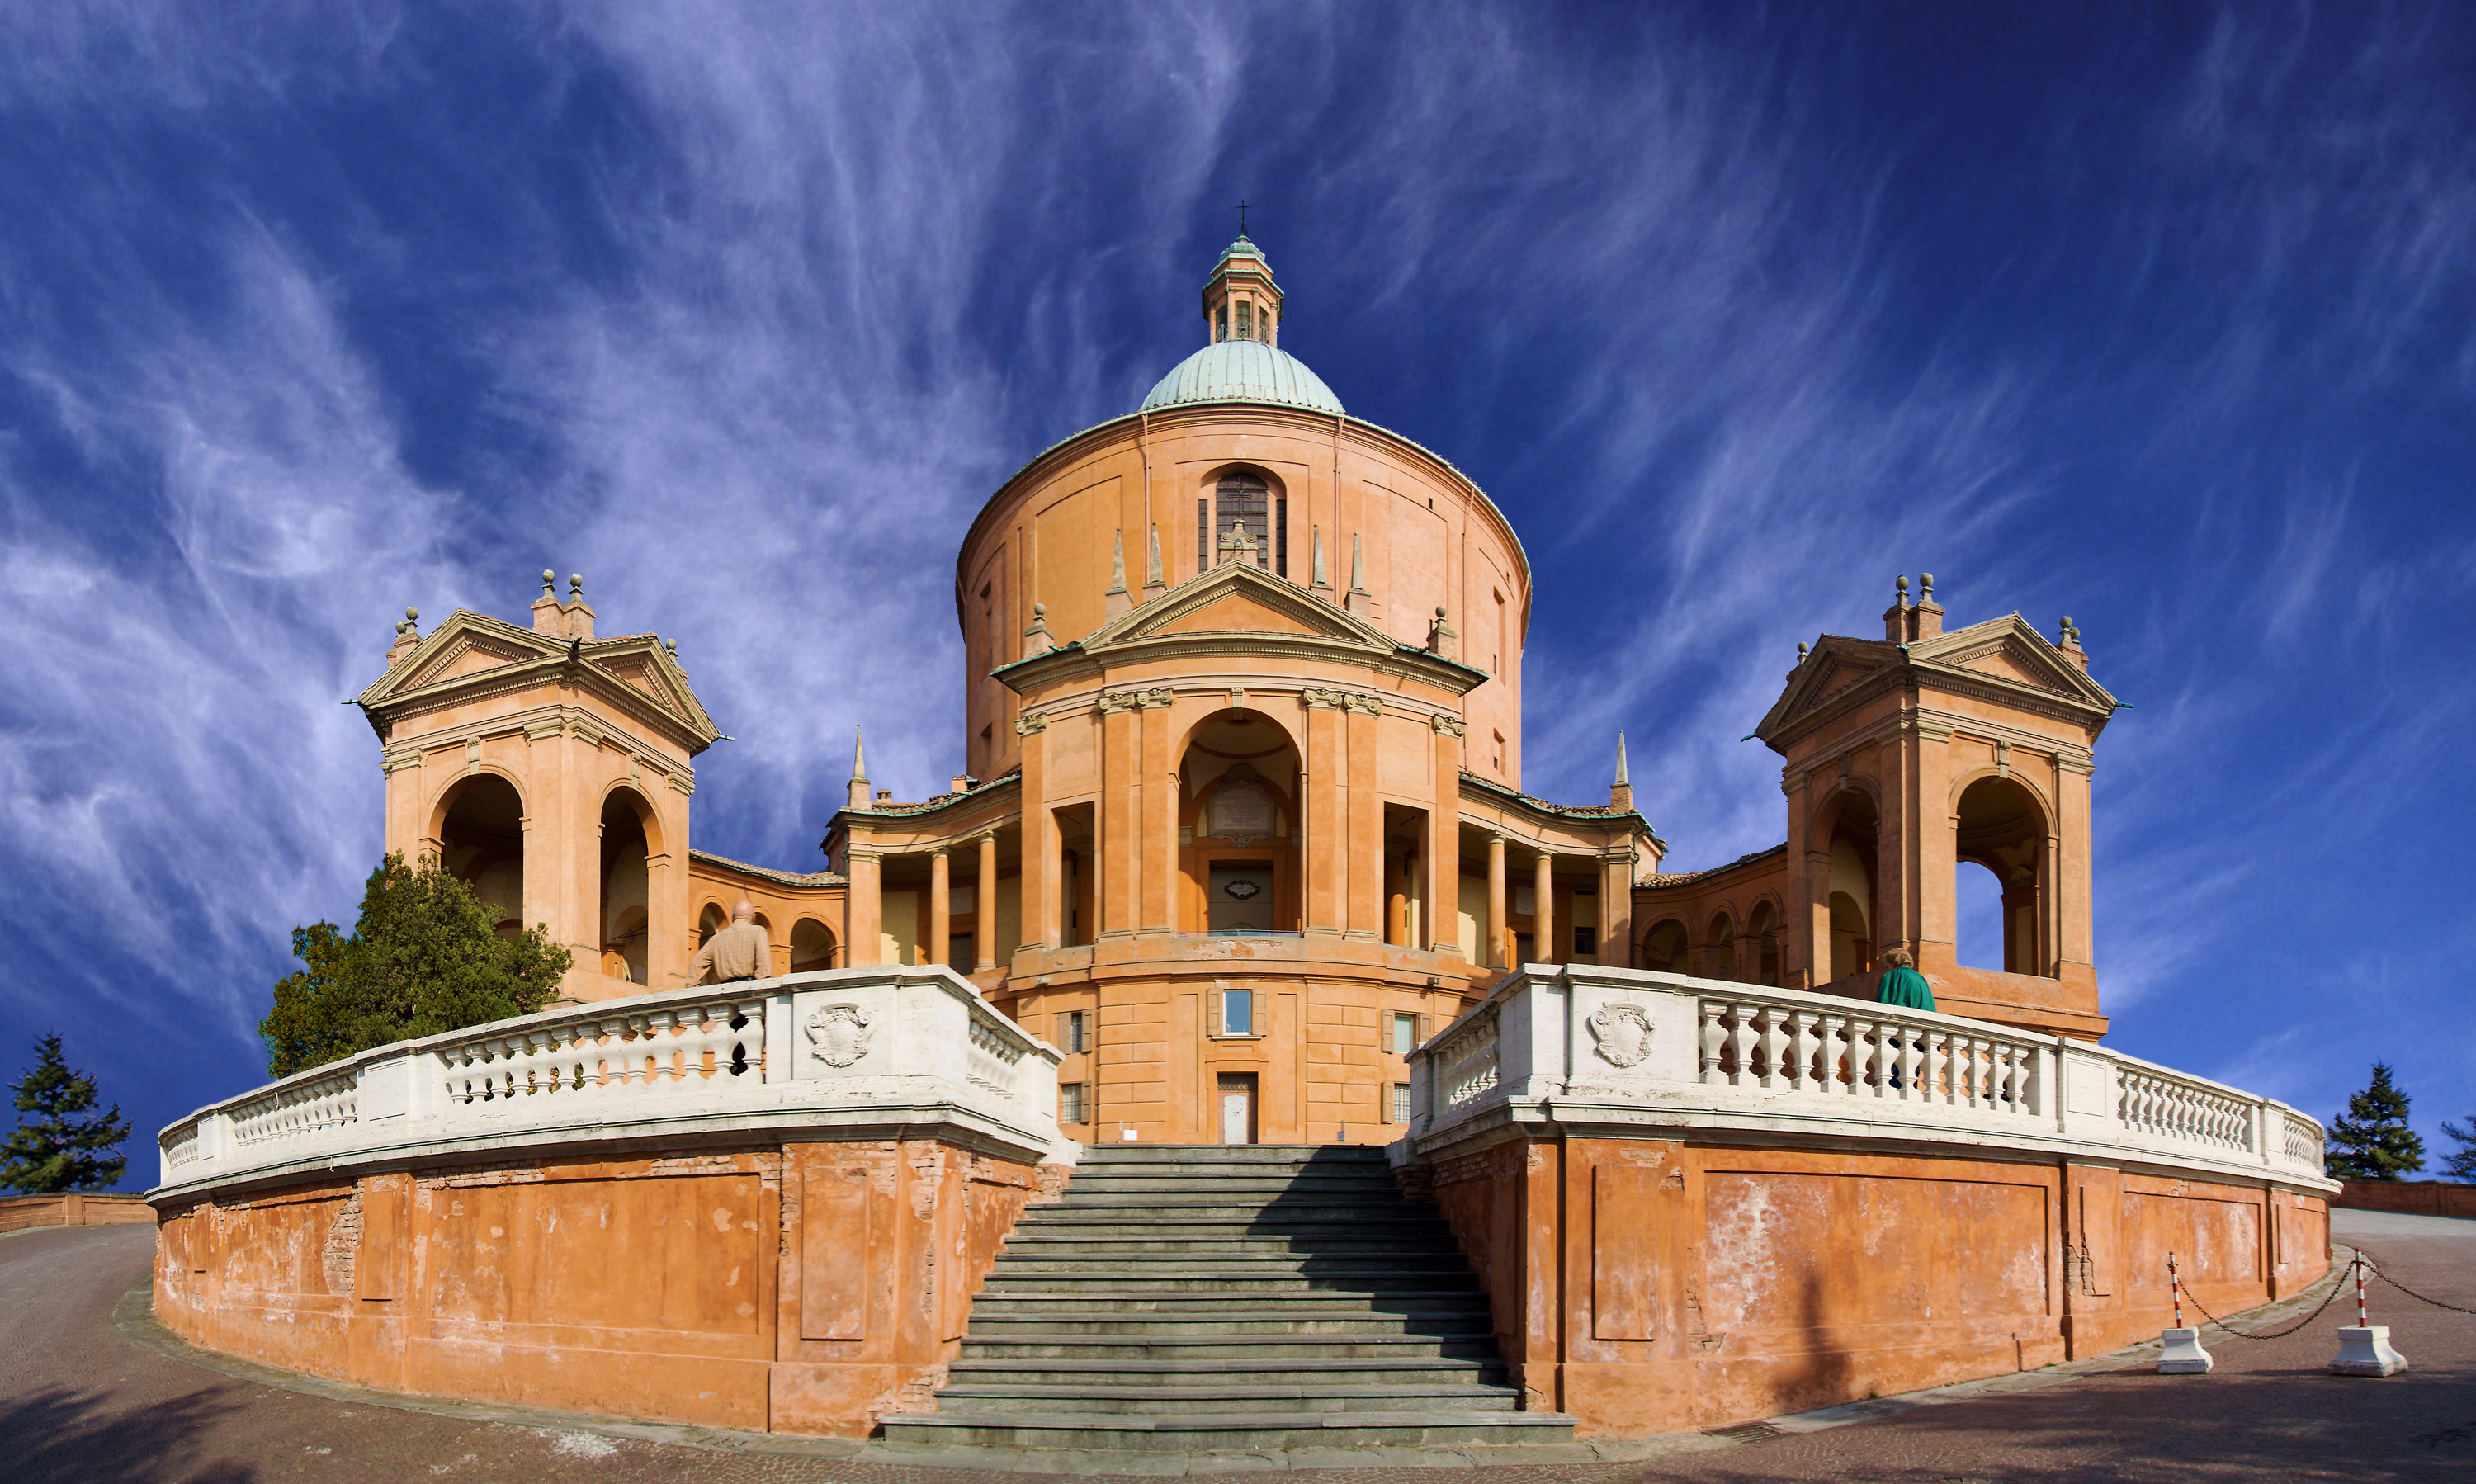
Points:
(91, 1389)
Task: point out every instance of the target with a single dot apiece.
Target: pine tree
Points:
(55, 1150)
(425, 959)
(2460, 1165)
(2371, 1140)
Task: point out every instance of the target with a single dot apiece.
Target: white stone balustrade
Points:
(1581, 1048)
(837, 1053)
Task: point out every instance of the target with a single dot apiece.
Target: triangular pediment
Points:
(1239, 599)
(2010, 651)
(470, 654)
(470, 648)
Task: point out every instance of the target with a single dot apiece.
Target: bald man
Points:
(739, 951)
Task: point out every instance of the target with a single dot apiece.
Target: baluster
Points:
(1775, 1048)
(1834, 1062)
(1800, 1049)
(1741, 1044)
(1709, 1035)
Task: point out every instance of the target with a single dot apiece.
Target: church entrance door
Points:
(1241, 898)
(1237, 1108)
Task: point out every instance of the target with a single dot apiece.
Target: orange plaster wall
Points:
(802, 1288)
(1649, 1287)
(73, 1209)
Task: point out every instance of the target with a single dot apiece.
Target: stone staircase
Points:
(1212, 1297)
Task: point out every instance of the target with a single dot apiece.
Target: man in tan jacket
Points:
(739, 952)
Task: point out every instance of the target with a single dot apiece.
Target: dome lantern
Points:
(1241, 301)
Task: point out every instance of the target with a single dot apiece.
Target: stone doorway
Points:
(1237, 1107)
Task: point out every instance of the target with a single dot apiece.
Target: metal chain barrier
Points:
(2277, 1334)
(2375, 1264)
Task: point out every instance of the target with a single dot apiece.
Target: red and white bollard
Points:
(2364, 1347)
(2183, 1354)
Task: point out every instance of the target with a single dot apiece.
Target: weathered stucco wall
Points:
(800, 1287)
(1649, 1286)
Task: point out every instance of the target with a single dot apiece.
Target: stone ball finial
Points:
(671, 647)
(1802, 650)
(1440, 610)
(1040, 610)
(412, 615)
(550, 581)
(575, 588)
(1926, 584)
(1900, 584)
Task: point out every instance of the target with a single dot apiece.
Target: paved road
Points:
(80, 1401)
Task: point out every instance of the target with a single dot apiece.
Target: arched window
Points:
(1664, 948)
(2003, 831)
(812, 945)
(1244, 504)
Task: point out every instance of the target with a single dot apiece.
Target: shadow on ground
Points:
(64, 1435)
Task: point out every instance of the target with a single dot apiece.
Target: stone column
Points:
(941, 922)
(984, 933)
(863, 911)
(1542, 911)
(1500, 941)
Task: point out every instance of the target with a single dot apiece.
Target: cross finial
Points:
(1242, 220)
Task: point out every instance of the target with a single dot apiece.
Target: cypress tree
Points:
(55, 1149)
(2371, 1140)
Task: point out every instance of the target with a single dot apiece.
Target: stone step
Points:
(1245, 1322)
(1222, 1397)
(1112, 1242)
(1161, 1346)
(1006, 1302)
(1312, 1214)
(1178, 1266)
(1228, 1431)
(1232, 1153)
(1331, 1372)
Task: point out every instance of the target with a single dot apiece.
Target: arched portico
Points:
(1239, 816)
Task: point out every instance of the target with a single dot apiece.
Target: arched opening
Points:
(812, 945)
(712, 920)
(1719, 950)
(1763, 926)
(1247, 503)
(1239, 818)
(482, 841)
(1664, 948)
(1405, 850)
(1850, 899)
(624, 886)
(2002, 830)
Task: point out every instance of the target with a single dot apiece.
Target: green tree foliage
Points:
(52, 1148)
(2371, 1140)
(423, 959)
(2460, 1165)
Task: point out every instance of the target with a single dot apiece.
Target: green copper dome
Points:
(1243, 371)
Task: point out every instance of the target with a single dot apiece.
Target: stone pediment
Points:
(474, 649)
(1239, 599)
(2005, 655)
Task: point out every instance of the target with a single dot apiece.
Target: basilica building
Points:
(1239, 820)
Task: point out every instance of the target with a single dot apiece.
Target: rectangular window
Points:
(1220, 323)
(1400, 1102)
(959, 949)
(1237, 1012)
(1070, 1031)
(1203, 536)
(1281, 536)
(1586, 941)
(1520, 949)
(1405, 1035)
(1069, 1102)
(1245, 320)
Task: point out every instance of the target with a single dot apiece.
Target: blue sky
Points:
(2162, 317)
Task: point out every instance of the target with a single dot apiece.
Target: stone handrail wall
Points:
(854, 1048)
(1580, 1045)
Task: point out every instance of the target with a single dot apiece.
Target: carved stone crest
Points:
(1624, 1033)
(840, 1034)
(1241, 808)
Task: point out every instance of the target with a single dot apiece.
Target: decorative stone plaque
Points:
(1241, 808)
(1624, 1033)
(840, 1034)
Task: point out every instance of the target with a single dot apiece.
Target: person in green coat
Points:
(1902, 984)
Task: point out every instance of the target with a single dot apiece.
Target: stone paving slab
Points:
(80, 1401)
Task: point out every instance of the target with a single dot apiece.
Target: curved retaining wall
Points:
(1696, 1202)
(762, 1205)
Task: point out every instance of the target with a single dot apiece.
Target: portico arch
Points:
(628, 830)
(1720, 947)
(1846, 835)
(1239, 775)
(1664, 946)
(479, 826)
(2001, 825)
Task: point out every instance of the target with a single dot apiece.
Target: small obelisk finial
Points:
(1624, 778)
(1154, 584)
(1358, 600)
(1117, 602)
(1242, 218)
(858, 797)
(1318, 579)
(1621, 792)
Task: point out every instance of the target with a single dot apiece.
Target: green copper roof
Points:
(1243, 371)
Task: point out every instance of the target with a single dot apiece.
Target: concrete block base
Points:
(2365, 1350)
(2184, 1356)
